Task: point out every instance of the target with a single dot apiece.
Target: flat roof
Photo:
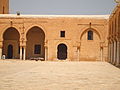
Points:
(54, 16)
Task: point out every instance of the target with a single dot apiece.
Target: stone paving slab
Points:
(37, 75)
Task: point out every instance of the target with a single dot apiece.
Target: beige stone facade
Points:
(114, 36)
(54, 37)
(27, 31)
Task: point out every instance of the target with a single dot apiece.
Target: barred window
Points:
(90, 35)
(62, 33)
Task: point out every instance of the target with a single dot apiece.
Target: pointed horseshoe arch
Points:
(37, 26)
(35, 43)
(11, 38)
(93, 30)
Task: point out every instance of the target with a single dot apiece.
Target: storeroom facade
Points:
(66, 37)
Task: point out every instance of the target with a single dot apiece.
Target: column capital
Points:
(46, 47)
(78, 48)
(102, 44)
(24, 55)
(46, 43)
(78, 43)
(22, 43)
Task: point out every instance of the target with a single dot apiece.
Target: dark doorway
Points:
(62, 52)
(10, 52)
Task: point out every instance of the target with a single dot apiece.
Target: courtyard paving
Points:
(37, 75)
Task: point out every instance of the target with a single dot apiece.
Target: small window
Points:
(90, 35)
(37, 49)
(62, 33)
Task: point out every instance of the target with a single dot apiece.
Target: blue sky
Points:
(62, 7)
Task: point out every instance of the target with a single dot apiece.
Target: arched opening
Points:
(10, 52)
(11, 43)
(35, 43)
(90, 45)
(62, 52)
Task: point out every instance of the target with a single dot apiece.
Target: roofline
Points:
(53, 16)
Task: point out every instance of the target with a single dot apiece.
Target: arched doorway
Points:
(62, 52)
(35, 43)
(11, 43)
(10, 52)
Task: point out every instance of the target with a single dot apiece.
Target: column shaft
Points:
(20, 53)
(101, 51)
(109, 57)
(114, 53)
(46, 54)
(78, 54)
(24, 55)
(1, 53)
(118, 54)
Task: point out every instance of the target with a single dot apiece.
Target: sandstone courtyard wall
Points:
(76, 28)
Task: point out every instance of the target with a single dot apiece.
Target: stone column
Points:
(0, 52)
(1, 46)
(24, 55)
(101, 52)
(78, 51)
(20, 52)
(114, 59)
(46, 53)
(78, 55)
(111, 52)
(118, 54)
